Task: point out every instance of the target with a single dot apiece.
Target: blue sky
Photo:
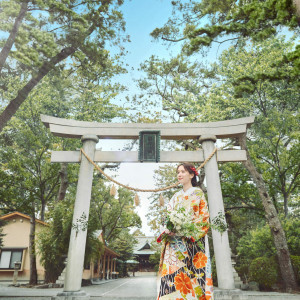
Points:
(142, 17)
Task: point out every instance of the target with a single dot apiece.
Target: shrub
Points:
(214, 271)
(154, 259)
(264, 271)
(243, 271)
(296, 266)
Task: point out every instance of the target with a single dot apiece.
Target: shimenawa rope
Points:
(143, 190)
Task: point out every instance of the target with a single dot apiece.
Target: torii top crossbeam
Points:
(169, 131)
(175, 131)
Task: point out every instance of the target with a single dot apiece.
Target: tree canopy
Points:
(202, 23)
(43, 36)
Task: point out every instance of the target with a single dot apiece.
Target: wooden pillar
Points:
(98, 268)
(111, 268)
(103, 266)
(108, 264)
(91, 269)
(115, 270)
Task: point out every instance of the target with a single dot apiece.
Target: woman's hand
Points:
(170, 233)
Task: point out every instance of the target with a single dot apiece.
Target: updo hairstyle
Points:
(189, 167)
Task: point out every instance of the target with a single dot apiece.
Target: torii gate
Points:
(91, 132)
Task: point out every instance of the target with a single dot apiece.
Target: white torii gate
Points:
(91, 132)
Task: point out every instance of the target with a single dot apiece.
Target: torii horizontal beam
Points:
(174, 131)
(132, 156)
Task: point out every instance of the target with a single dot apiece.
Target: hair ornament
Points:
(195, 171)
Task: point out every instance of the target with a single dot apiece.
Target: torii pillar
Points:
(73, 278)
(215, 201)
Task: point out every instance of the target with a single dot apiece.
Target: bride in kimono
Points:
(185, 267)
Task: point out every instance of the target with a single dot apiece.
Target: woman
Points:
(185, 268)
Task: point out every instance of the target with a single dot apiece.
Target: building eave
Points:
(16, 213)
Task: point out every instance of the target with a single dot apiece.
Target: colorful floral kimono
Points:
(185, 267)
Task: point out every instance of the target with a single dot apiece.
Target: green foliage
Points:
(296, 265)
(113, 214)
(292, 231)
(214, 271)
(164, 176)
(2, 223)
(26, 172)
(264, 271)
(53, 241)
(155, 259)
(252, 244)
(123, 244)
(79, 32)
(201, 23)
(256, 242)
(259, 240)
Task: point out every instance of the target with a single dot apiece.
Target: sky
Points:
(142, 17)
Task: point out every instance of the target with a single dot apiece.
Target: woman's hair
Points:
(191, 169)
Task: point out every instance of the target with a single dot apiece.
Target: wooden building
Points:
(16, 247)
(142, 251)
(105, 266)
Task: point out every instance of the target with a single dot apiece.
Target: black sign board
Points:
(149, 148)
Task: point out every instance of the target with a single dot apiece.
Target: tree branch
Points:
(171, 40)
(14, 104)
(12, 37)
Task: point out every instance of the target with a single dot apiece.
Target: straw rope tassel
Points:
(161, 200)
(113, 190)
(136, 200)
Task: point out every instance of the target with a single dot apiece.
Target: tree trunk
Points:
(12, 37)
(63, 182)
(297, 5)
(32, 254)
(43, 208)
(277, 232)
(285, 203)
(14, 104)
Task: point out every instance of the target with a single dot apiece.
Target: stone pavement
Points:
(142, 288)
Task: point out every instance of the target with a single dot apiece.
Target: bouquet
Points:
(180, 222)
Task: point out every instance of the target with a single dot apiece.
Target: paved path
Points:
(142, 288)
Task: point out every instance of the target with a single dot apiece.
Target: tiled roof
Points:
(143, 245)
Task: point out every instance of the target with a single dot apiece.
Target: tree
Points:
(49, 35)
(2, 223)
(202, 23)
(164, 176)
(221, 94)
(53, 241)
(113, 214)
(30, 181)
(124, 244)
(258, 243)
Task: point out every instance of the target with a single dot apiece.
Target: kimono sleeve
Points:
(201, 215)
(162, 228)
(171, 203)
